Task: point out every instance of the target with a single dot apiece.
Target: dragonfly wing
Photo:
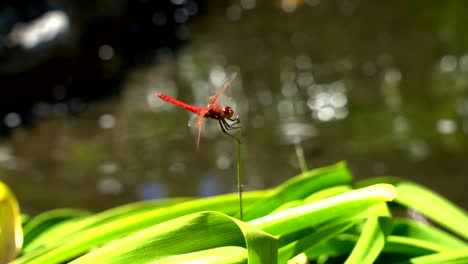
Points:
(199, 127)
(193, 120)
(215, 97)
(196, 120)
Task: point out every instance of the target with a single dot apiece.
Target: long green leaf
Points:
(327, 192)
(221, 255)
(342, 245)
(61, 246)
(192, 233)
(422, 231)
(76, 225)
(459, 256)
(434, 206)
(411, 246)
(299, 188)
(310, 239)
(371, 242)
(39, 224)
(379, 209)
(347, 204)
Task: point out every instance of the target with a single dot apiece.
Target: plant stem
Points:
(300, 157)
(239, 173)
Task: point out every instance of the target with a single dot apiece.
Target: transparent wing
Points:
(200, 117)
(215, 97)
(193, 120)
(196, 121)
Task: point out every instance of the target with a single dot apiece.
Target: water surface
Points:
(380, 85)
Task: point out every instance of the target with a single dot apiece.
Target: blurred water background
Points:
(382, 85)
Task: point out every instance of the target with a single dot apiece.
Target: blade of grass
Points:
(39, 224)
(63, 245)
(314, 197)
(434, 206)
(113, 214)
(191, 233)
(224, 255)
(371, 242)
(411, 246)
(459, 256)
(428, 203)
(343, 244)
(327, 192)
(379, 209)
(413, 229)
(343, 205)
(310, 239)
(340, 245)
(300, 187)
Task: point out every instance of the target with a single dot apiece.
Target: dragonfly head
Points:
(227, 112)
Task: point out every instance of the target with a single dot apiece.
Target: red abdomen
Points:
(171, 100)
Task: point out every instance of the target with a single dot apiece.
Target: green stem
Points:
(300, 157)
(239, 173)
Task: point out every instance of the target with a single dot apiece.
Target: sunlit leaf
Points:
(313, 217)
(75, 224)
(221, 255)
(300, 187)
(434, 206)
(371, 242)
(459, 256)
(422, 231)
(39, 224)
(310, 238)
(72, 238)
(11, 232)
(347, 204)
(207, 230)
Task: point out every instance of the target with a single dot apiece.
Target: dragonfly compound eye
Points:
(228, 112)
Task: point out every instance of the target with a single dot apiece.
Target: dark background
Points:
(382, 85)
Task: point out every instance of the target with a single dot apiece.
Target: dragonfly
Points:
(212, 111)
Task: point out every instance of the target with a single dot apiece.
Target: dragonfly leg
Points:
(232, 126)
(222, 125)
(235, 120)
(228, 126)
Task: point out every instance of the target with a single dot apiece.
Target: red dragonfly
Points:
(212, 111)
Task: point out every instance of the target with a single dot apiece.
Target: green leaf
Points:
(73, 238)
(411, 246)
(340, 245)
(459, 256)
(345, 205)
(314, 215)
(343, 244)
(300, 187)
(421, 231)
(39, 224)
(288, 205)
(75, 225)
(327, 192)
(434, 206)
(11, 232)
(310, 238)
(192, 233)
(371, 242)
(221, 255)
